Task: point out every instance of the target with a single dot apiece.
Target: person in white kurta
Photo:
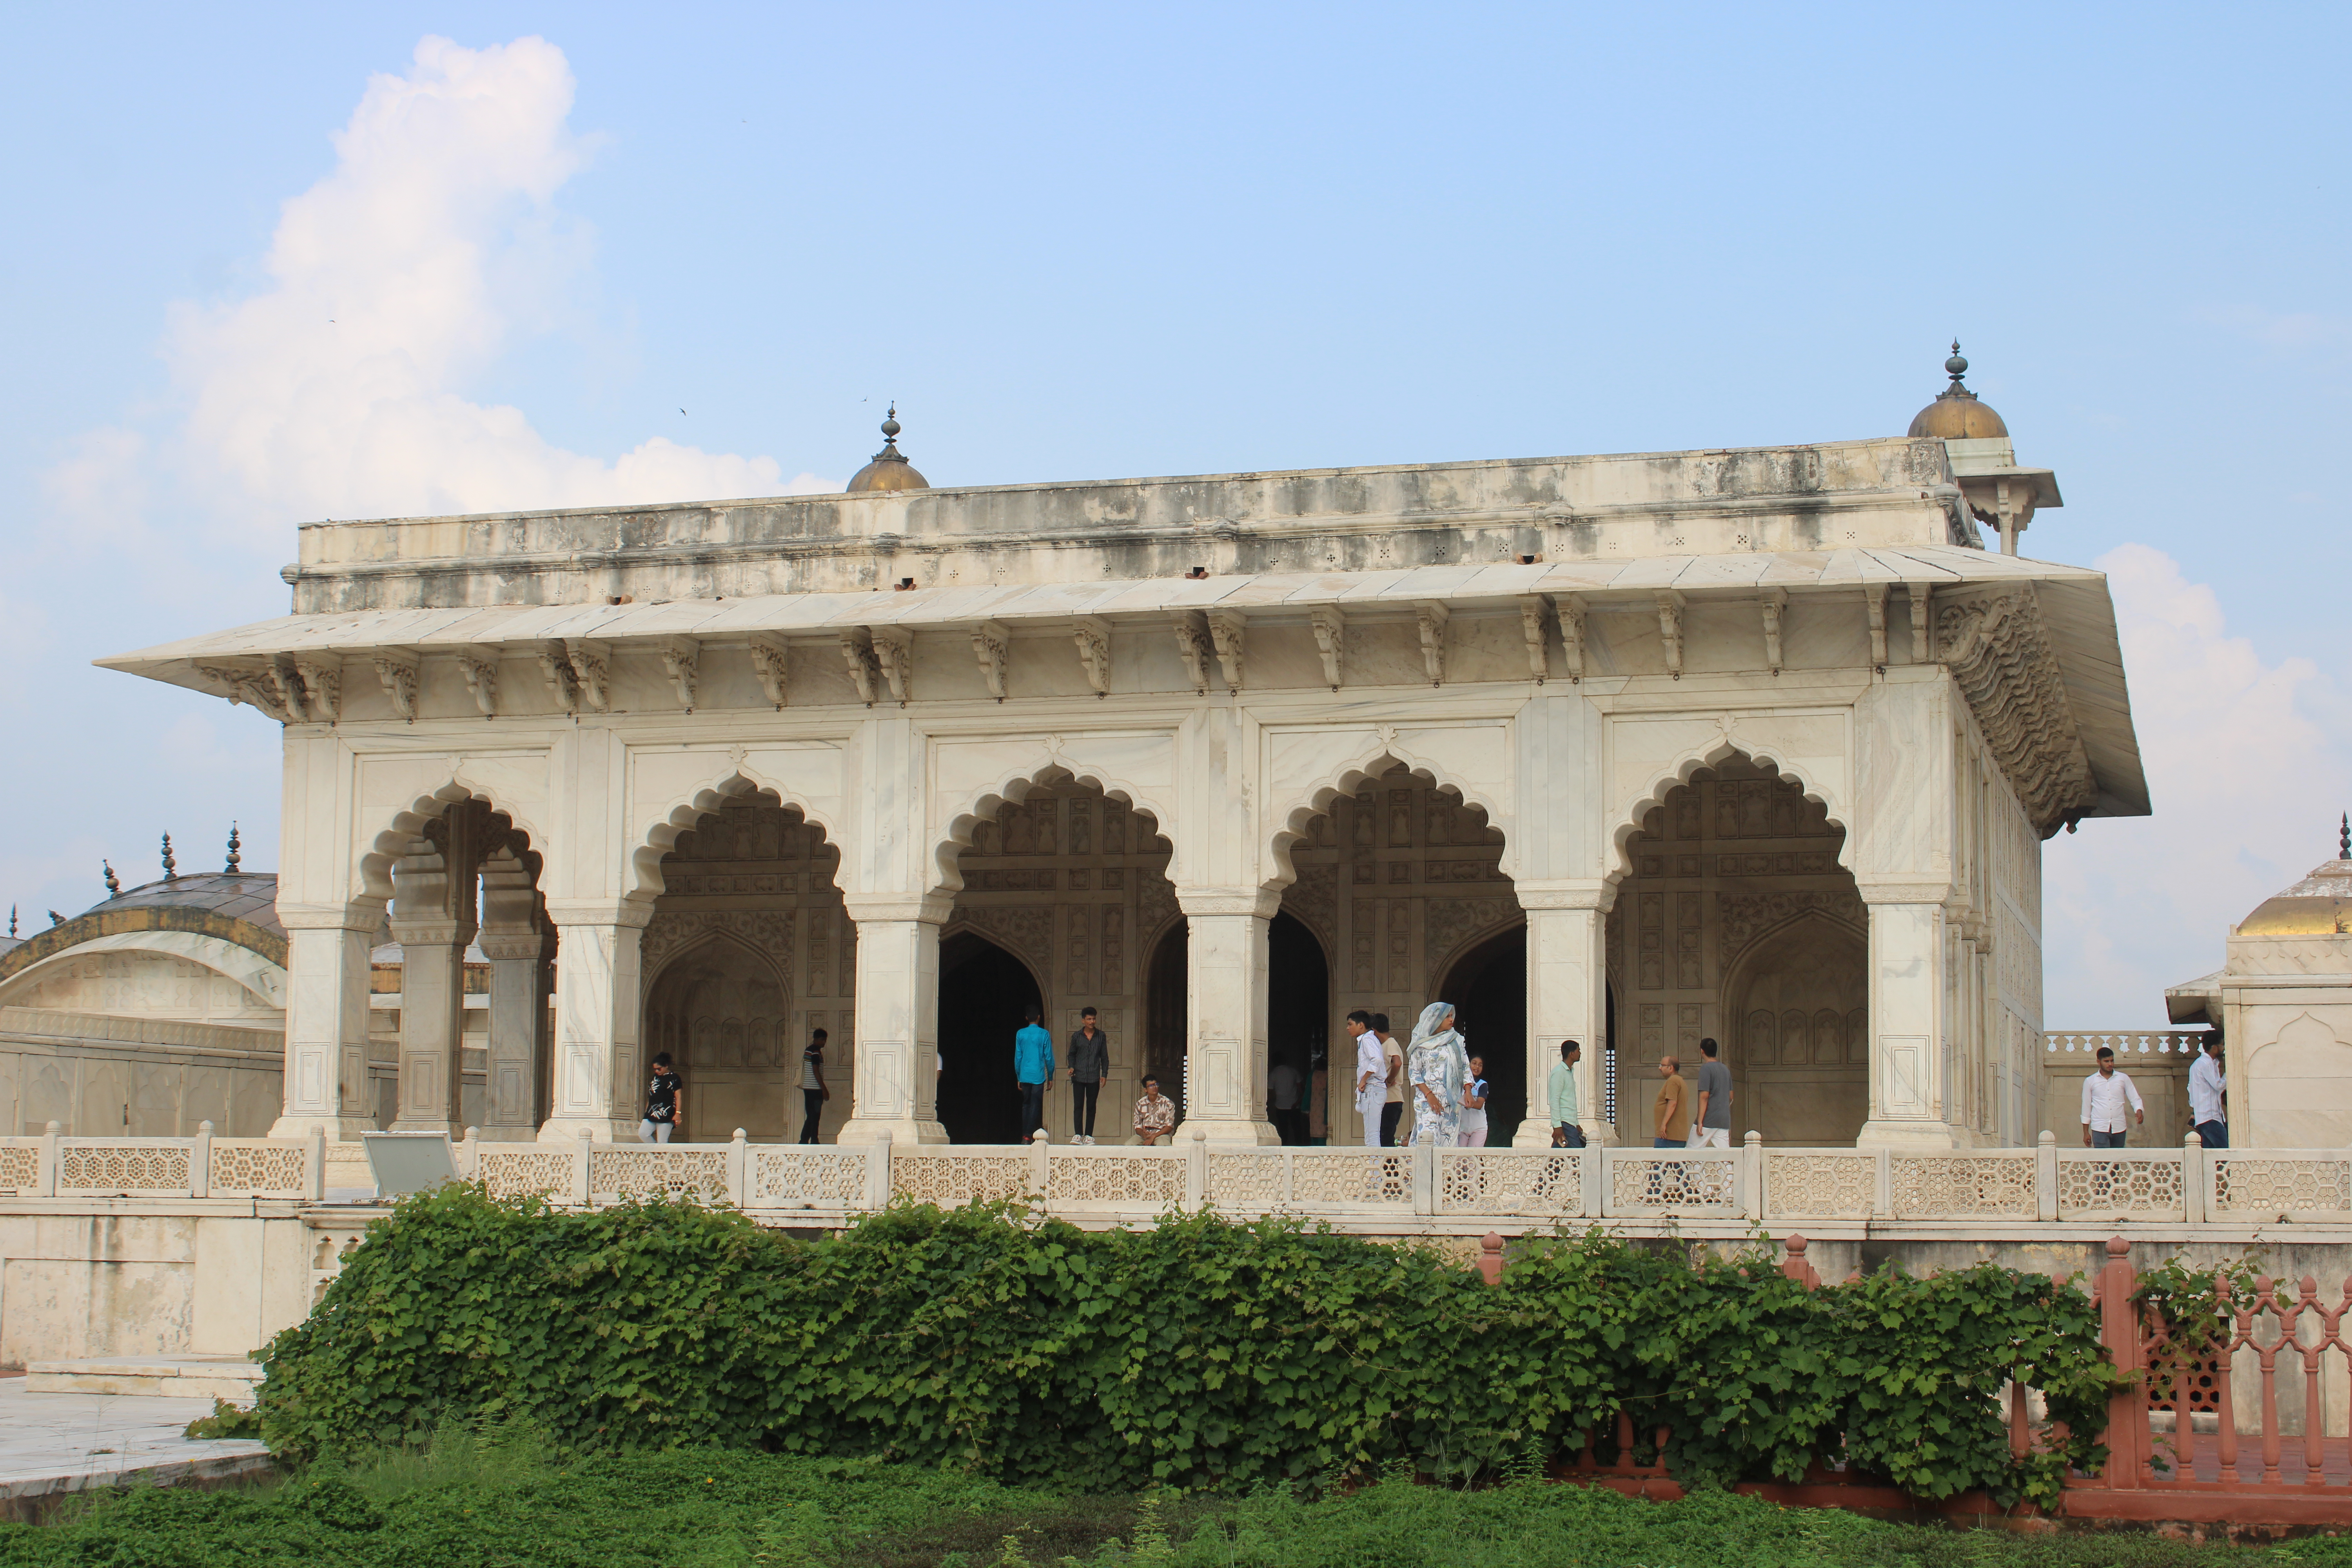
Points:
(1372, 1075)
(2106, 1097)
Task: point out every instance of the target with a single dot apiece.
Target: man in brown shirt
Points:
(1673, 1107)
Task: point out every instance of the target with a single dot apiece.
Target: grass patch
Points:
(505, 1497)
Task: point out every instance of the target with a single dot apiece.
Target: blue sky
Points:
(276, 263)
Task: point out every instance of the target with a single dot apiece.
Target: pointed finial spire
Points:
(11, 922)
(171, 867)
(2344, 836)
(890, 425)
(113, 882)
(1956, 367)
(234, 857)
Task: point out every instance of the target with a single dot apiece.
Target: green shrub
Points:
(1196, 1352)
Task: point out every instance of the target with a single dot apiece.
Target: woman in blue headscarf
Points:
(1437, 1064)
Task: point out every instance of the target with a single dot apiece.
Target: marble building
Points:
(1754, 743)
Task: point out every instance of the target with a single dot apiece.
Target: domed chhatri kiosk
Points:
(1752, 745)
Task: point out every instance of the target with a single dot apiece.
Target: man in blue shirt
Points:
(1032, 1065)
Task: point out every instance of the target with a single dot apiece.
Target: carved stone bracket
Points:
(287, 681)
(481, 668)
(555, 669)
(1774, 603)
(991, 644)
(1999, 653)
(1330, 639)
(398, 673)
(893, 650)
(1430, 616)
(592, 663)
(1092, 634)
(1670, 629)
(682, 662)
(772, 660)
(1923, 620)
(1532, 613)
(322, 681)
(1192, 648)
(1873, 604)
(865, 669)
(252, 687)
(1570, 611)
(1225, 628)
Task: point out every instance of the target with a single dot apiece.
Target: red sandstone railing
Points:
(2258, 1432)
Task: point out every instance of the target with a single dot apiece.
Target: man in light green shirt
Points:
(1566, 1134)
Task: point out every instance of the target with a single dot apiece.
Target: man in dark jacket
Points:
(1090, 1065)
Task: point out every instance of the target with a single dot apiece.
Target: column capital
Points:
(432, 933)
(927, 909)
(629, 913)
(1577, 894)
(1262, 902)
(1903, 890)
(511, 944)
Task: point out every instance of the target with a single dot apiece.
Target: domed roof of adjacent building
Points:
(248, 895)
(1958, 414)
(889, 469)
(233, 904)
(2319, 905)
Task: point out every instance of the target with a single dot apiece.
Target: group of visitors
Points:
(1089, 1050)
(1679, 1120)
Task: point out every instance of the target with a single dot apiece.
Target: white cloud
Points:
(2246, 786)
(335, 390)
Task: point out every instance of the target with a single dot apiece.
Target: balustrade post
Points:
(200, 1166)
(1041, 1156)
(314, 1166)
(738, 1169)
(50, 1160)
(1589, 1163)
(1424, 1178)
(469, 1155)
(1752, 1173)
(1196, 1170)
(2128, 1406)
(2045, 1176)
(2196, 1168)
(878, 1170)
(582, 1146)
(1490, 1258)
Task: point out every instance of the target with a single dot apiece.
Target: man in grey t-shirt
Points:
(1711, 1117)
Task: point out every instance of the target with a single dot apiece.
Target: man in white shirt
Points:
(2107, 1094)
(1372, 1074)
(2208, 1095)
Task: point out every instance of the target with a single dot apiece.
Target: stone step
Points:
(232, 1378)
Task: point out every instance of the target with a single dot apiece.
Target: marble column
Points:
(325, 1081)
(432, 919)
(894, 1066)
(1226, 991)
(520, 970)
(599, 1082)
(1910, 1025)
(1567, 1000)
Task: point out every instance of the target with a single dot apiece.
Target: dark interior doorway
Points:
(1488, 988)
(983, 992)
(1299, 1019)
(1165, 1003)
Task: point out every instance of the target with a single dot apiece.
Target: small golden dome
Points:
(1956, 414)
(2319, 905)
(889, 470)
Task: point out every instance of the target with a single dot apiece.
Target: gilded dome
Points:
(2319, 905)
(1958, 415)
(889, 470)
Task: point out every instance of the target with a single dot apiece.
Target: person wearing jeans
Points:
(1372, 1074)
(2209, 1098)
(1033, 1067)
(1089, 1061)
(2108, 1097)
(814, 1094)
(665, 1102)
(1393, 1100)
(1566, 1134)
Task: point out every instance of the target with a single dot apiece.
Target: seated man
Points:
(1155, 1114)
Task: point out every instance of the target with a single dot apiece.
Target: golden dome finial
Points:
(889, 469)
(1958, 414)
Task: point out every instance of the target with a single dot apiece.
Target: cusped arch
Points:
(1770, 943)
(963, 822)
(1292, 826)
(398, 838)
(719, 936)
(680, 816)
(1692, 763)
(1444, 967)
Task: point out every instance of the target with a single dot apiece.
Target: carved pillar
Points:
(520, 969)
(1909, 1028)
(432, 919)
(1226, 988)
(897, 1064)
(326, 1083)
(1567, 1000)
(599, 1082)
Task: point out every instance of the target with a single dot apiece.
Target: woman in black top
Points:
(665, 1102)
